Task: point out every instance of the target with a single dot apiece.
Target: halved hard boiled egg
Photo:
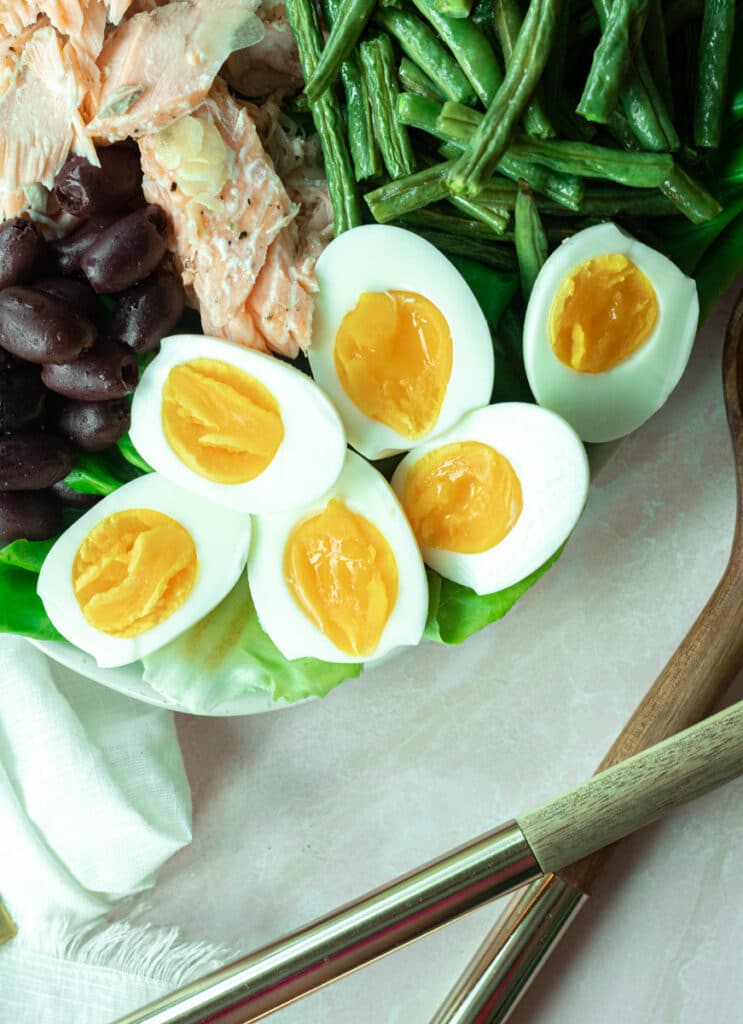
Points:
(236, 426)
(399, 341)
(608, 332)
(139, 568)
(493, 498)
(342, 578)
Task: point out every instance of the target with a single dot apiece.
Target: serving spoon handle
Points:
(695, 677)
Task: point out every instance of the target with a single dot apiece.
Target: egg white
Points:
(552, 467)
(606, 406)
(364, 491)
(222, 540)
(378, 258)
(311, 452)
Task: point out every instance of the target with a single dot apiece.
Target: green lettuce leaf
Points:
(21, 609)
(228, 655)
(26, 554)
(456, 612)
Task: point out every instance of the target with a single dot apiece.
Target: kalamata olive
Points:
(22, 251)
(33, 515)
(144, 314)
(84, 190)
(127, 251)
(75, 499)
(93, 425)
(21, 398)
(30, 462)
(41, 328)
(69, 251)
(108, 370)
(77, 295)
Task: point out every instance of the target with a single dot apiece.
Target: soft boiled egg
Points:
(609, 329)
(493, 498)
(140, 567)
(399, 341)
(236, 426)
(342, 578)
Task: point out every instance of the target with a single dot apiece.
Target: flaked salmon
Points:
(272, 63)
(159, 65)
(223, 223)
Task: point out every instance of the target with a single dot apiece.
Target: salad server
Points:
(693, 680)
(608, 807)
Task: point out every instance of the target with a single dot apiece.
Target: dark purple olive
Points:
(29, 515)
(30, 462)
(144, 314)
(21, 398)
(75, 499)
(127, 251)
(22, 251)
(108, 370)
(93, 425)
(41, 328)
(76, 294)
(84, 190)
(69, 251)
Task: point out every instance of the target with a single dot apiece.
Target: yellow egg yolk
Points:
(604, 310)
(343, 575)
(133, 570)
(463, 497)
(393, 357)
(220, 421)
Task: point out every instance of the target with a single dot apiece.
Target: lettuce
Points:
(456, 612)
(228, 655)
(21, 609)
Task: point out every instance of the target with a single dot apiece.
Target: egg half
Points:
(139, 568)
(494, 497)
(399, 341)
(236, 426)
(342, 578)
(608, 331)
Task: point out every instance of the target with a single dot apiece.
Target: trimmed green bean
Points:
(349, 21)
(420, 44)
(656, 51)
(637, 170)
(394, 199)
(378, 64)
(490, 141)
(328, 120)
(470, 47)
(714, 59)
(620, 37)
(508, 22)
(530, 239)
(454, 8)
(608, 201)
(493, 216)
(444, 220)
(417, 81)
(689, 197)
(421, 113)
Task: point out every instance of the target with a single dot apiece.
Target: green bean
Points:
(691, 199)
(436, 219)
(378, 63)
(508, 22)
(638, 170)
(397, 198)
(714, 58)
(328, 120)
(419, 112)
(620, 37)
(418, 41)
(490, 141)
(367, 162)
(499, 257)
(348, 23)
(470, 47)
(530, 239)
(495, 217)
(417, 81)
(602, 201)
(454, 8)
(656, 51)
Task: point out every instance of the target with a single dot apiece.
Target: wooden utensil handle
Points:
(630, 795)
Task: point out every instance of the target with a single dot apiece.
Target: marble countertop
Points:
(299, 811)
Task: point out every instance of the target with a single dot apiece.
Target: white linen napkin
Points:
(93, 800)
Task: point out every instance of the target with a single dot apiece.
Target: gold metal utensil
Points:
(7, 928)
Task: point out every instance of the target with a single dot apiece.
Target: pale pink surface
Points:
(300, 811)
